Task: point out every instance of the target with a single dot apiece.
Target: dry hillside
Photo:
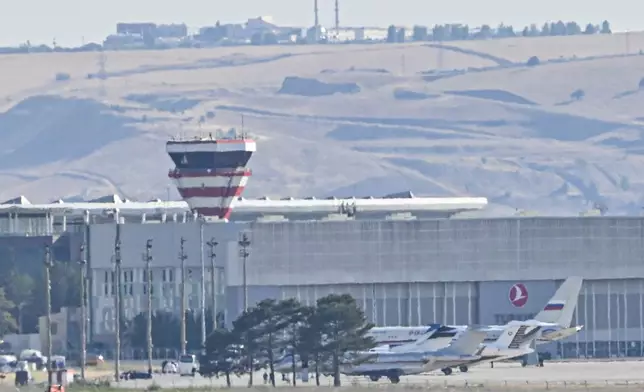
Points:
(466, 118)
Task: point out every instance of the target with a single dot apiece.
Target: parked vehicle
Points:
(188, 365)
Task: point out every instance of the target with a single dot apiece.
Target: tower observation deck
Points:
(211, 172)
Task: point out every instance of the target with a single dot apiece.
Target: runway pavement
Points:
(551, 376)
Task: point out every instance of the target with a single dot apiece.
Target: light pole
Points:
(244, 244)
(117, 307)
(203, 287)
(48, 265)
(212, 244)
(148, 260)
(83, 292)
(182, 288)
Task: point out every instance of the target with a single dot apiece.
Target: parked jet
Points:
(516, 340)
(558, 312)
(464, 347)
(382, 340)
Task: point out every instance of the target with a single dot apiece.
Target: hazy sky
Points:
(71, 21)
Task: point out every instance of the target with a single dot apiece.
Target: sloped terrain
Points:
(468, 118)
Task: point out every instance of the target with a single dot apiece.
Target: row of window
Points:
(167, 275)
(129, 289)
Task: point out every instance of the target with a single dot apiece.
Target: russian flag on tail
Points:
(554, 306)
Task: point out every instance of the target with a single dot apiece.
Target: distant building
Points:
(342, 35)
(254, 29)
(141, 29)
(65, 331)
(171, 31)
(124, 41)
(261, 23)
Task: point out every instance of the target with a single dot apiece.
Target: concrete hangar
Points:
(408, 260)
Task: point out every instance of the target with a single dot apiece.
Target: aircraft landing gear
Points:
(394, 379)
(463, 368)
(447, 371)
(374, 378)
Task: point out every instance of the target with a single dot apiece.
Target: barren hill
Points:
(463, 118)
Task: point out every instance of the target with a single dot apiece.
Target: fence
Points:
(169, 381)
(352, 383)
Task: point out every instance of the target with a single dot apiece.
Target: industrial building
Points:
(407, 261)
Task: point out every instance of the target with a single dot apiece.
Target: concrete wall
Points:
(65, 331)
(397, 251)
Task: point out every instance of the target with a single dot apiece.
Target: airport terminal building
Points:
(406, 262)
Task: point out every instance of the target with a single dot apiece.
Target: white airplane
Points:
(511, 344)
(464, 349)
(556, 317)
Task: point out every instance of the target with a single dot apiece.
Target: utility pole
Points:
(83, 292)
(244, 244)
(148, 284)
(337, 19)
(117, 305)
(213, 285)
(182, 288)
(317, 21)
(48, 265)
(203, 287)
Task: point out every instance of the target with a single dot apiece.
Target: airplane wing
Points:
(467, 343)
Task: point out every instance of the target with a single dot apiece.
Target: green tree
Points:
(273, 320)
(7, 321)
(309, 340)
(222, 355)
(297, 318)
(577, 95)
(545, 30)
(193, 328)
(344, 328)
(590, 29)
(20, 293)
(165, 330)
(248, 326)
(606, 28)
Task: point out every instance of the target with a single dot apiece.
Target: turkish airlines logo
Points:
(518, 295)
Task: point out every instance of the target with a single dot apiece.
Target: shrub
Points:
(533, 61)
(62, 76)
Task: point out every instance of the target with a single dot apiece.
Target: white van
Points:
(187, 365)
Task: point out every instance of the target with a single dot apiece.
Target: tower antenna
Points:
(316, 26)
(337, 18)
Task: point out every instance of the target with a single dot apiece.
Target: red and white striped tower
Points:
(210, 173)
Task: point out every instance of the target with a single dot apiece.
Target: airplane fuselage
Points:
(386, 364)
(388, 337)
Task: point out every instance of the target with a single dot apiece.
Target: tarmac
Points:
(553, 375)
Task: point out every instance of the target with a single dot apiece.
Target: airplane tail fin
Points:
(466, 343)
(561, 307)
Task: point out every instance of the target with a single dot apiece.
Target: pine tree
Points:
(344, 328)
(7, 321)
(222, 355)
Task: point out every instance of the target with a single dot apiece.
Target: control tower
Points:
(211, 172)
